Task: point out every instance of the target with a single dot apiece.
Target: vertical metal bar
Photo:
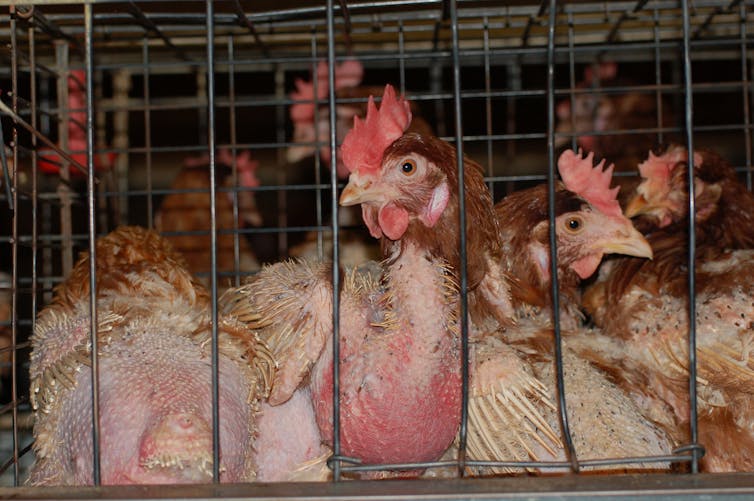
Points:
(46, 210)
(147, 129)
(555, 290)
(121, 82)
(335, 237)
(92, 244)
(213, 237)
(201, 92)
(34, 178)
(464, 279)
(282, 195)
(233, 139)
(689, 113)
(64, 192)
(488, 104)
(14, 248)
(745, 94)
(658, 75)
(514, 79)
(402, 57)
(435, 86)
(572, 82)
(317, 156)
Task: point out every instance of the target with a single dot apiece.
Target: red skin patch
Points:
(586, 266)
(393, 221)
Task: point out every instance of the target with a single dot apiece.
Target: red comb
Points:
(658, 168)
(347, 74)
(304, 112)
(51, 163)
(364, 145)
(590, 183)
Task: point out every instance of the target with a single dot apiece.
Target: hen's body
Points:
(400, 384)
(520, 368)
(643, 307)
(154, 374)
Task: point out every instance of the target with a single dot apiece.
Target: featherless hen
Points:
(643, 306)
(155, 403)
(400, 367)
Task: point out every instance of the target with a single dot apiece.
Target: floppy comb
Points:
(590, 183)
(365, 144)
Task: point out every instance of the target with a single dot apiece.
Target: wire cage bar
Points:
(105, 105)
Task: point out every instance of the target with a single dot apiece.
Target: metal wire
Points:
(213, 239)
(336, 285)
(555, 289)
(93, 325)
(421, 35)
(689, 114)
(14, 265)
(464, 277)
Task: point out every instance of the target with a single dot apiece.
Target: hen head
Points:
(589, 222)
(407, 184)
(394, 184)
(662, 196)
(584, 235)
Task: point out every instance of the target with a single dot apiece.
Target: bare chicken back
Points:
(155, 405)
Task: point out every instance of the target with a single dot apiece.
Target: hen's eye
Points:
(574, 224)
(408, 167)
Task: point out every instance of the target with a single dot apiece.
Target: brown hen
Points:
(643, 306)
(188, 211)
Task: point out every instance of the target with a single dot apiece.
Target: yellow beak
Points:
(632, 244)
(638, 206)
(358, 191)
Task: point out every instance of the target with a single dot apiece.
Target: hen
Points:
(355, 245)
(155, 401)
(604, 422)
(643, 306)
(400, 368)
(188, 210)
(589, 224)
(612, 124)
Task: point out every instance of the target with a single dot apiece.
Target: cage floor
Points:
(703, 486)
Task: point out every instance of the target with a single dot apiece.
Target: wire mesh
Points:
(166, 82)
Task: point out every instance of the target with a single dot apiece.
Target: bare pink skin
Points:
(155, 400)
(400, 391)
(288, 437)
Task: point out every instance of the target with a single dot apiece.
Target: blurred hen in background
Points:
(187, 210)
(619, 126)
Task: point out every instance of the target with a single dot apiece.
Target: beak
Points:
(358, 191)
(638, 206)
(632, 244)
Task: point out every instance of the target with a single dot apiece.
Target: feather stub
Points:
(365, 144)
(590, 183)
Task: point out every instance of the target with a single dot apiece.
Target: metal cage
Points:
(162, 80)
